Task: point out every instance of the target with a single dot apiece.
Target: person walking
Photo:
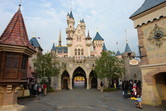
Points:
(139, 95)
(101, 84)
(35, 89)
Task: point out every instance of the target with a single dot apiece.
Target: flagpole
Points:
(126, 35)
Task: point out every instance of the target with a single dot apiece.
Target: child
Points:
(139, 99)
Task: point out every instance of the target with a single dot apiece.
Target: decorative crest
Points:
(157, 35)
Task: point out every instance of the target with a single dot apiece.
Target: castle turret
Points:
(104, 47)
(70, 22)
(98, 44)
(88, 43)
(83, 25)
(127, 56)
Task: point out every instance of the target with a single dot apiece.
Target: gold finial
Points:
(20, 5)
(97, 29)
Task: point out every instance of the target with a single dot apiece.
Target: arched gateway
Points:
(77, 77)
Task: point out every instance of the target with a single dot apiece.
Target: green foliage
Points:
(109, 66)
(46, 66)
(43, 81)
(50, 90)
(110, 89)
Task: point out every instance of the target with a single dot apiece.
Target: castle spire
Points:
(127, 49)
(15, 32)
(60, 39)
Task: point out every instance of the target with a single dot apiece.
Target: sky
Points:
(45, 19)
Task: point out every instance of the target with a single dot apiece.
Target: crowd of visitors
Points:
(133, 90)
(37, 89)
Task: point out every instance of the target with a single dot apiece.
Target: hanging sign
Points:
(134, 62)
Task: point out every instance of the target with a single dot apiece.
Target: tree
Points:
(46, 66)
(109, 66)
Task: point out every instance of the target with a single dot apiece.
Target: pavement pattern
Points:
(84, 100)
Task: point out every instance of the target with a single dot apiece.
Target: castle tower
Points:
(70, 32)
(98, 44)
(104, 47)
(15, 49)
(127, 56)
(70, 22)
(88, 43)
(83, 25)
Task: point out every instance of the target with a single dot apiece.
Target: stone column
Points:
(90, 84)
(59, 86)
(87, 83)
(71, 84)
(8, 98)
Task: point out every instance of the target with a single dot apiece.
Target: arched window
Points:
(75, 51)
(78, 51)
(82, 51)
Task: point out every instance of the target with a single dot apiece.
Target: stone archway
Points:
(160, 79)
(154, 85)
(79, 78)
(65, 80)
(93, 80)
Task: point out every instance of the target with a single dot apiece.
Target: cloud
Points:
(45, 18)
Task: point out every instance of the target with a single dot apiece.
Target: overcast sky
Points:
(44, 19)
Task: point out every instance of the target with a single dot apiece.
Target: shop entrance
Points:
(161, 85)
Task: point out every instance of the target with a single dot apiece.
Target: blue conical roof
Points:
(83, 21)
(34, 42)
(98, 37)
(53, 47)
(118, 53)
(104, 47)
(71, 15)
(127, 49)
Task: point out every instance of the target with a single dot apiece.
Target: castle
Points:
(79, 55)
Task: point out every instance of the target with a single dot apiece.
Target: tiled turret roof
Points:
(104, 47)
(71, 15)
(127, 49)
(148, 4)
(15, 33)
(53, 47)
(98, 37)
(34, 42)
(118, 53)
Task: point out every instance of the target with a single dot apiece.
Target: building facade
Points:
(150, 22)
(79, 56)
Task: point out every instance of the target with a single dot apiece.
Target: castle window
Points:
(78, 51)
(82, 51)
(75, 51)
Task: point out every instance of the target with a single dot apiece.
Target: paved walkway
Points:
(84, 100)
